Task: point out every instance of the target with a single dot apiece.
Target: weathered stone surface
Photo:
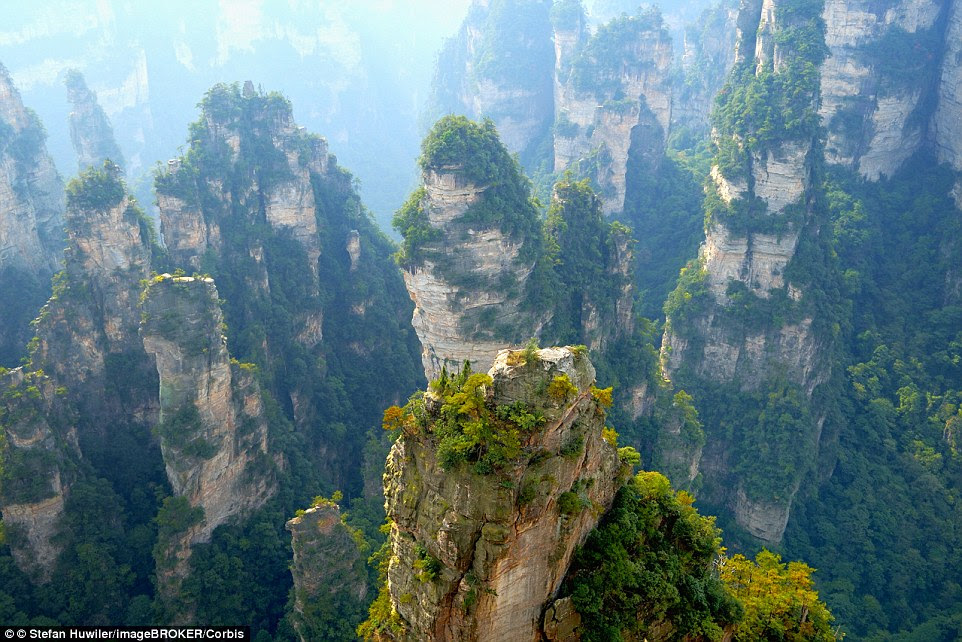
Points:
(594, 126)
(327, 564)
(501, 559)
(219, 460)
(868, 117)
(446, 314)
(947, 122)
(90, 131)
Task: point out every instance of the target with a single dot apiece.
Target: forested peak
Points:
(227, 103)
(472, 149)
(96, 188)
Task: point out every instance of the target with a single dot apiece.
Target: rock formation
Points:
(86, 343)
(31, 219)
(477, 556)
(328, 569)
(617, 88)
(90, 131)
(499, 66)
(213, 429)
(875, 79)
(447, 315)
(759, 213)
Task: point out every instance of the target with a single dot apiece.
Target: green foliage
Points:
(183, 430)
(96, 189)
(416, 230)
(779, 599)
(561, 388)
(649, 560)
(602, 60)
(515, 48)
(690, 297)
(759, 109)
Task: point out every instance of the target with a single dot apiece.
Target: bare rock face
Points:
(327, 568)
(31, 219)
(498, 545)
(947, 122)
(602, 98)
(90, 130)
(744, 262)
(867, 107)
(33, 452)
(213, 430)
(448, 315)
(498, 66)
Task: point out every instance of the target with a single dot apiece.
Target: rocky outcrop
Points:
(328, 568)
(760, 214)
(874, 80)
(31, 219)
(618, 81)
(498, 66)
(90, 131)
(478, 556)
(708, 53)
(947, 122)
(86, 360)
(452, 316)
(36, 450)
(213, 428)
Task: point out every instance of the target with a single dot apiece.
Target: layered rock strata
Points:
(213, 427)
(746, 264)
(449, 316)
(606, 97)
(874, 80)
(502, 542)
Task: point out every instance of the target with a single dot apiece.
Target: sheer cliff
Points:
(742, 318)
(213, 427)
(31, 219)
(311, 295)
(613, 91)
(86, 360)
(498, 66)
(90, 130)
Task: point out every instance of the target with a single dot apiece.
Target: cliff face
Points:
(499, 66)
(260, 205)
(759, 213)
(477, 556)
(213, 428)
(86, 361)
(448, 313)
(875, 79)
(617, 87)
(31, 219)
(90, 131)
(36, 455)
(328, 569)
(947, 123)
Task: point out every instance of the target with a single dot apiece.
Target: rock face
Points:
(499, 66)
(604, 99)
(497, 546)
(947, 123)
(708, 54)
(327, 568)
(743, 264)
(31, 219)
(90, 131)
(448, 315)
(213, 429)
(868, 99)
(34, 453)
(86, 339)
